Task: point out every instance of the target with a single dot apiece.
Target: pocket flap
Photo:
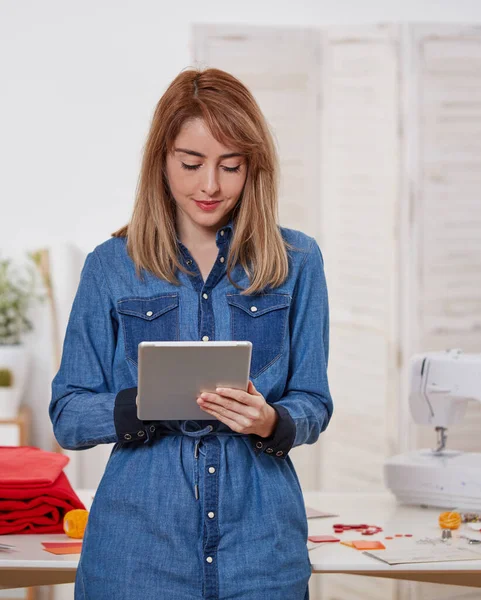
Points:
(255, 306)
(148, 308)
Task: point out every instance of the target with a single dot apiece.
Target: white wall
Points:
(79, 83)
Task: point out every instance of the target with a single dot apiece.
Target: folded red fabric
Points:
(35, 493)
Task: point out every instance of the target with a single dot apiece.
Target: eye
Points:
(195, 167)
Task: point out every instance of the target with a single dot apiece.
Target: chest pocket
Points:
(263, 321)
(148, 320)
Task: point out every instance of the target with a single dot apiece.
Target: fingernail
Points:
(219, 389)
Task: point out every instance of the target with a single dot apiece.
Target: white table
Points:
(31, 565)
(383, 510)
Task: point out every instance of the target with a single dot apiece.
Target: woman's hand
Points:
(244, 412)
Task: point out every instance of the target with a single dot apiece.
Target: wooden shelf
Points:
(22, 421)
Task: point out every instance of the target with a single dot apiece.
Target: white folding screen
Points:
(359, 194)
(443, 245)
(447, 202)
(378, 129)
(281, 67)
(360, 204)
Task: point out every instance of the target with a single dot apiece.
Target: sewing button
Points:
(269, 450)
(254, 308)
(127, 436)
(209, 559)
(280, 453)
(205, 338)
(205, 296)
(222, 259)
(210, 515)
(211, 469)
(259, 445)
(140, 433)
(188, 261)
(149, 313)
(222, 232)
(152, 428)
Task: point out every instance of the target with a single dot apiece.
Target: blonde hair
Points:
(233, 117)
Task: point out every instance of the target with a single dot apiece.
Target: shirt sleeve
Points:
(306, 407)
(82, 400)
(128, 426)
(282, 438)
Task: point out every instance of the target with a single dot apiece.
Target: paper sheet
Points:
(313, 513)
(425, 554)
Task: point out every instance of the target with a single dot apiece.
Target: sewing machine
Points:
(441, 384)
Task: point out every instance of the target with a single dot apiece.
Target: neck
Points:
(196, 236)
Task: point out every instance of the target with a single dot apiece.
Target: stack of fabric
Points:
(35, 493)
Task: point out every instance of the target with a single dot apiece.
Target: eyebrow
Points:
(194, 153)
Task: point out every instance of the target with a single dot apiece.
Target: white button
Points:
(127, 436)
(205, 296)
(210, 515)
(253, 308)
(222, 232)
(209, 559)
(149, 313)
(205, 338)
(222, 259)
(211, 469)
(259, 445)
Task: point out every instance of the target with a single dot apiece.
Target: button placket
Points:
(211, 530)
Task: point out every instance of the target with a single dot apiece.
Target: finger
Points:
(233, 406)
(235, 421)
(239, 395)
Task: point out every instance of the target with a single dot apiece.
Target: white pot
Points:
(16, 358)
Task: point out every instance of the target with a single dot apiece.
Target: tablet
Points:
(172, 375)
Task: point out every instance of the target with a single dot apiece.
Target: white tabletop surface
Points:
(382, 510)
(374, 509)
(29, 552)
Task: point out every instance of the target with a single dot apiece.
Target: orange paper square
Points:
(365, 545)
(63, 547)
(65, 550)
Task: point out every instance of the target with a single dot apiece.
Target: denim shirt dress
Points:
(192, 510)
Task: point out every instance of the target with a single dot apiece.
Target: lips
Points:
(207, 206)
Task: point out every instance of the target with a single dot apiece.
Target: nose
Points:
(210, 182)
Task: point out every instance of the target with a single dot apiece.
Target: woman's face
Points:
(200, 169)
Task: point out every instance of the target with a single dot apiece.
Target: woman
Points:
(199, 509)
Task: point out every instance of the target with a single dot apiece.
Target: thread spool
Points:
(449, 520)
(75, 522)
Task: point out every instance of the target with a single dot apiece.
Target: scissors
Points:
(6, 547)
(470, 540)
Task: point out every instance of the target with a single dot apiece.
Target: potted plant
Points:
(16, 297)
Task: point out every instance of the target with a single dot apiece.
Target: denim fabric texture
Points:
(192, 510)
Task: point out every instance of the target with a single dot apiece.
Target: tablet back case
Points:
(173, 374)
